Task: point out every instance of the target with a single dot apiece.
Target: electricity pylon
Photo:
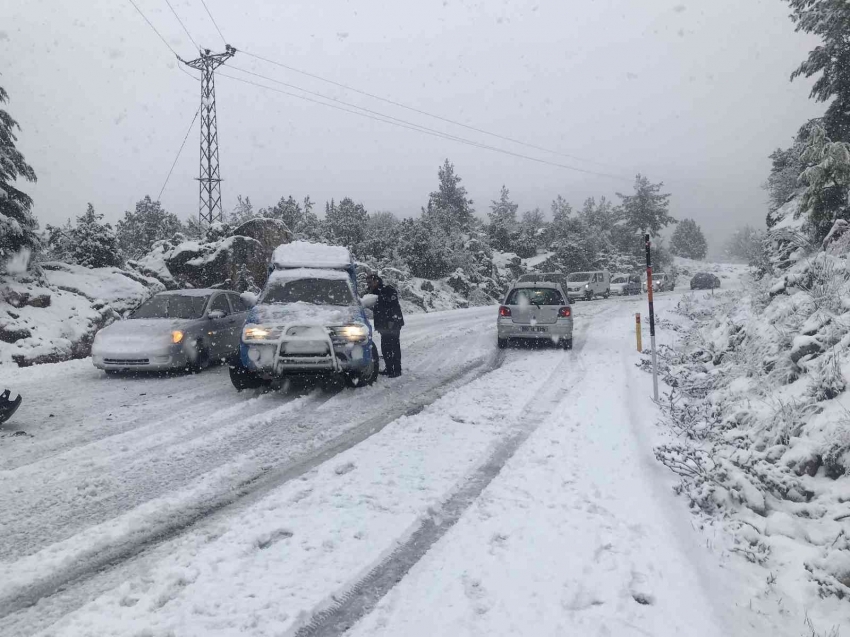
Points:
(210, 177)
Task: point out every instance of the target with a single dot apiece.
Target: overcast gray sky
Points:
(695, 94)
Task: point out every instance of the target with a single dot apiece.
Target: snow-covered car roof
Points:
(303, 254)
(295, 274)
(190, 292)
(536, 284)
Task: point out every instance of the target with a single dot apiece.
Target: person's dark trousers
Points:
(391, 351)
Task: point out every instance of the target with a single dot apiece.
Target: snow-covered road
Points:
(511, 493)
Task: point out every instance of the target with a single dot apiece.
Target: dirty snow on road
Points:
(481, 493)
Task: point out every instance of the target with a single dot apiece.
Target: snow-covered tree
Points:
(688, 240)
(346, 222)
(828, 20)
(58, 244)
(448, 206)
(502, 221)
(243, 211)
(648, 209)
(426, 248)
(18, 227)
(381, 236)
(139, 229)
(289, 211)
(93, 244)
(245, 280)
(745, 244)
(826, 179)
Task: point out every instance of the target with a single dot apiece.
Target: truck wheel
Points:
(368, 375)
(244, 379)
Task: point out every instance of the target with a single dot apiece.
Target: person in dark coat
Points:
(388, 321)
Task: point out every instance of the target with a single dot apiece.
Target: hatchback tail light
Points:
(565, 312)
(504, 311)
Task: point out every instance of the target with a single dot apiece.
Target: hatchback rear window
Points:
(534, 296)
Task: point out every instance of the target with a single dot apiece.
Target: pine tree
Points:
(243, 211)
(381, 236)
(448, 206)
(58, 245)
(647, 210)
(830, 21)
(289, 211)
(745, 244)
(93, 244)
(827, 180)
(140, 229)
(502, 221)
(346, 222)
(18, 227)
(688, 240)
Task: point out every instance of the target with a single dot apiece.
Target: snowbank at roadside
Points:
(53, 315)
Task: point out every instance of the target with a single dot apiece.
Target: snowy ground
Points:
(483, 493)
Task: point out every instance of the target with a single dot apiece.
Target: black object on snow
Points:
(8, 406)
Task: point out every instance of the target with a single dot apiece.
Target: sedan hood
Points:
(136, 336)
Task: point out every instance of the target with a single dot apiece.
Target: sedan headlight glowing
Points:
(355, 332)
(258, 333)
(176, 336)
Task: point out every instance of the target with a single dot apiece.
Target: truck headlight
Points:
(259, 333)
(355, 332)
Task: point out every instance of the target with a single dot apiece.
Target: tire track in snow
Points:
(347, 608)
(244, 494)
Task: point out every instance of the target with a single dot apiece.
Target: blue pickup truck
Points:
(308, 320)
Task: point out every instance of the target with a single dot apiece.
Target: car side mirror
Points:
(215, 315)
(369, 300)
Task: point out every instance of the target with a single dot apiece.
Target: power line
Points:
(178, 153)
(164, 41)
(213, 21)
(421, 129)
(182, 25)
(422, 112)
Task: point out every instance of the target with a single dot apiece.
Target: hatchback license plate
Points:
(533, 328)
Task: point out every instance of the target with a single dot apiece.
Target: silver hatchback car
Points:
(172, 330)
(536, 310)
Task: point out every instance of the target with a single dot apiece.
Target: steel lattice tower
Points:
(209, 180)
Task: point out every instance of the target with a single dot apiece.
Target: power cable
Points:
(164, 41)
(422, 112)
(195, 44)
(213, 21)
(421, 129)
(191, 126)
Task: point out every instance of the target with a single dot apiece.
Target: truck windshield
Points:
(172, 306)
(315, 291)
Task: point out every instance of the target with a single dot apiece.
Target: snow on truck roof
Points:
(303, 254)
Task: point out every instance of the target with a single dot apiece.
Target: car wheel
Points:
(588, 296)
(368, 375)
(202, 358)
(606, 294)
(567, 343)
(501, 343)
(244, 379)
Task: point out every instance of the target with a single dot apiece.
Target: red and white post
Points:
(651, 319)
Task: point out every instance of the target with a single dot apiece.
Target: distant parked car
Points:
(704, 281)
(660, 282)
(173, 330)
(536, 310)
(586, 285)
(625, 285)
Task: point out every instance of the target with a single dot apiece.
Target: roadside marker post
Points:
(638, 333)
(651, 319)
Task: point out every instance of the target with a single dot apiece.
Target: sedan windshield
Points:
(534, 296)
(578, 277)
(315, 291)
(172, 306)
